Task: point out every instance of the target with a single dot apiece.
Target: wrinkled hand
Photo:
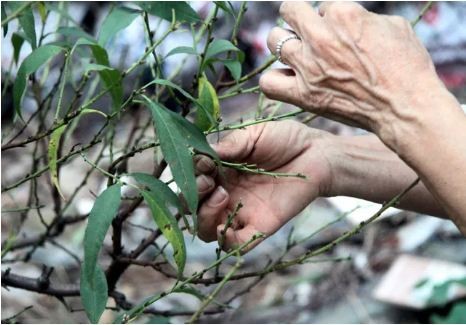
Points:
(268, 202)
(353, 66)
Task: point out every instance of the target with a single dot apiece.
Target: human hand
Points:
(354, 66)
(268, 202)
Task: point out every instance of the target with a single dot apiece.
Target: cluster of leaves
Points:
(177, 137)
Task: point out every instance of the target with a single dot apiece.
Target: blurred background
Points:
(375, 282)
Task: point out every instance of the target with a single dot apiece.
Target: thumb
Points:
(238, 144)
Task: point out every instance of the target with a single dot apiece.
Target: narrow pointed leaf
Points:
(53, 156)
(157, 186)
(176, 152)
(100, 218)
(17, 40)
(93, 282)
(94, 294)
(30, 64)
(118, 19)
(168, 225)
(163, 9)
(26, 20)
(110, 77)
(208, 99)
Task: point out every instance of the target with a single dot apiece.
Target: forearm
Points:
(363, 167)
(434, 145)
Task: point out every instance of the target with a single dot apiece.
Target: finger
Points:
(204, 165)
(280, 84)
(238, 144)
(302, 18)
(236, 238)
(205, 185)
(290, 50)
(211, 212)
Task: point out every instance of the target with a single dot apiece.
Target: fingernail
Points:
(204, 183)
(219, 195)
(205, 165)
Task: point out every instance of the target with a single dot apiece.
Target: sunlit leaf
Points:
(30, 64)
(54, 145)
(169, 228)
(42, 11)
(208, 99)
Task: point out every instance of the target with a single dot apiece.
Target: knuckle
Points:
(344, 10)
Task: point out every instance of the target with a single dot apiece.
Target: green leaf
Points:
(94, 294)
(54, 144)
(176, 152)
(208, 99)
(17, 41)
(42, 11)
(194, 137)
(5, 28)
(219, 46)
(93, 282)
(168, 225)
(185, 94)
(223, 5)
(182, 49)
(26, 20)
(111, 77)
(157, 186)
(234, 67)
(54, 6)
(456, 315)
(30, 64)
(163, 9)
(74, 32)
(117, 19)
(104, 210)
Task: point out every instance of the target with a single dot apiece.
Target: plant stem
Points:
(425, 9)
(16, 13)
(254, 170)
(217, 290)
(138, 310)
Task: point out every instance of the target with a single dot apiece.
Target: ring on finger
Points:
(280, 44)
